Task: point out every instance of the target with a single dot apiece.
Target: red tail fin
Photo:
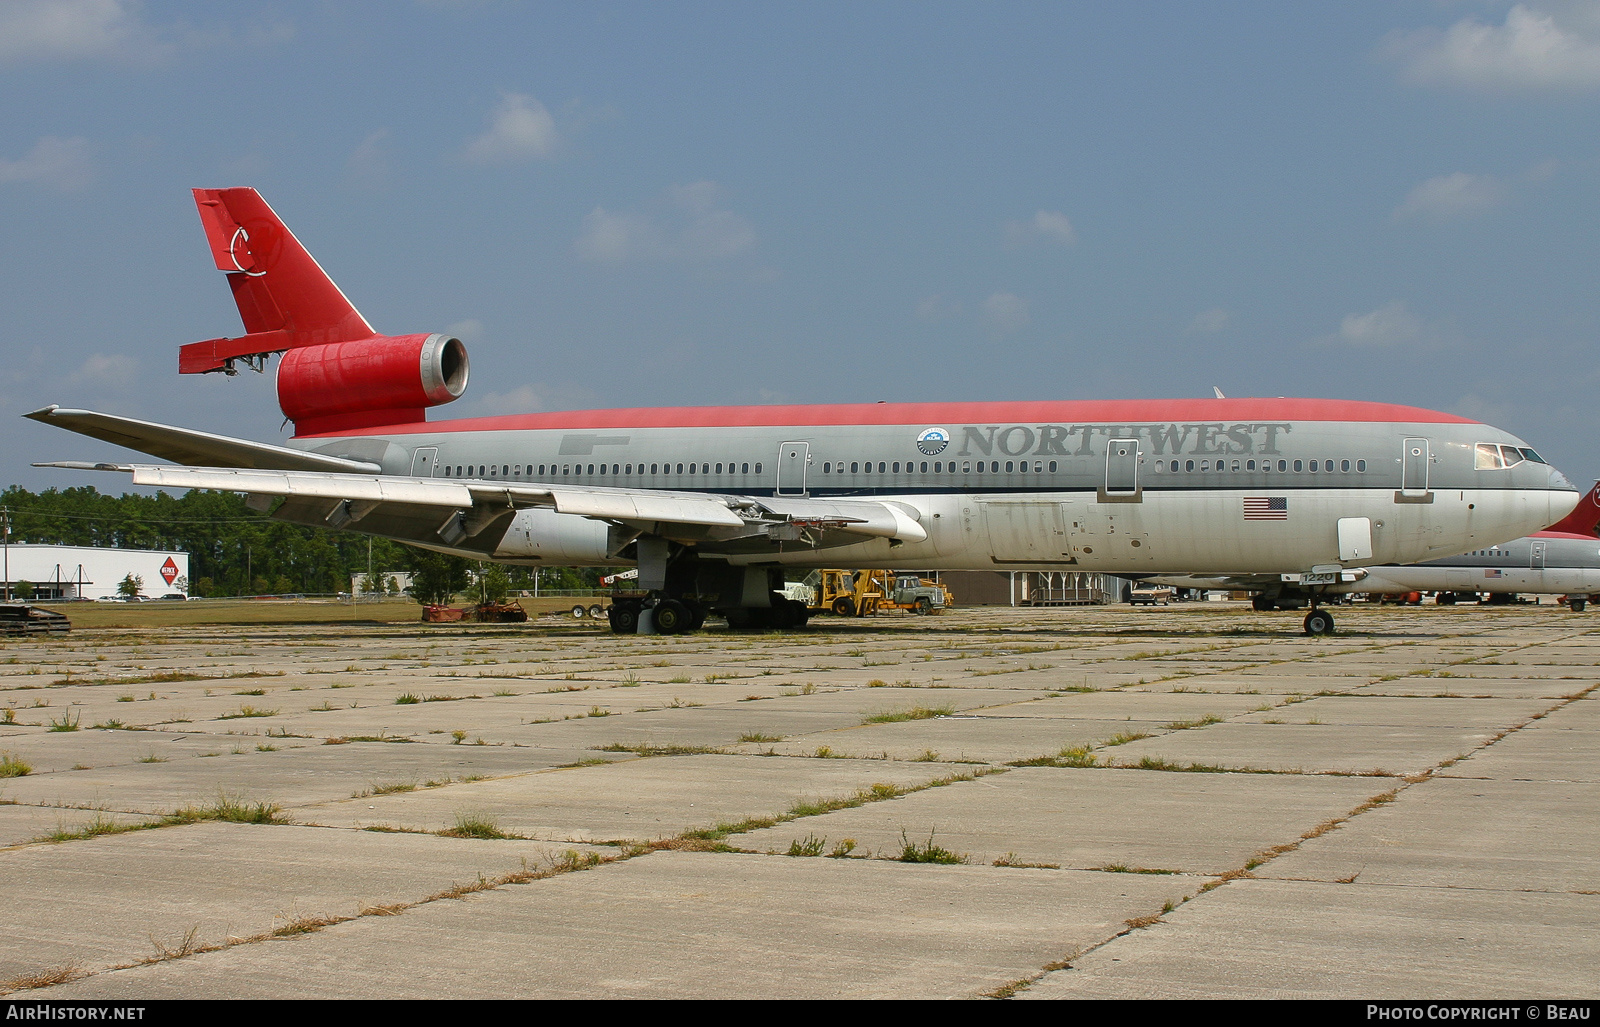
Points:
(285, 299)
(1585, 519)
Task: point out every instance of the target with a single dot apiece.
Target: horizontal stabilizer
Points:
(194, 448)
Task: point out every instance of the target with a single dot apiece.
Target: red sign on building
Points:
(169, 571)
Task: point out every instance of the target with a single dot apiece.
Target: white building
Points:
(70, 572)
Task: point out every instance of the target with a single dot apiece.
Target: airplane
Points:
(712, 504)
(1564, 559)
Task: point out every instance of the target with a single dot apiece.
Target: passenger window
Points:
(880, 466)
(719, 468)
(938, 467)
(1236, 465)
(1297, 465)
(746, 469)
(1052, 467)
(924, 467)
(965, 467)
(1205, 465)
(1249, 465)
(897, 467)
(1313, 467)
(1188, 465)
(1344, 466)
(1361, 466)
(758, 468)
(853, 467)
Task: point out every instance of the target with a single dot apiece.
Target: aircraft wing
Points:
(449, 512)
(186, 446)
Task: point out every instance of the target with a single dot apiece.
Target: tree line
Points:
(236, 551)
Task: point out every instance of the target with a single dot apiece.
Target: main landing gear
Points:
(669, 616)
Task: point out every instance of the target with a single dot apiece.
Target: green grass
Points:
(757, 736)
(406, 699)
(911, 852)
(67, 722)
(248, 711)
(915, 713)
(11, 766)
(1184, 725)
(476, 825)
(812, 846)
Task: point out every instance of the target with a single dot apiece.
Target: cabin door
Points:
(1122, 467)
(1414, 467)
(793, 457)
(423, 461)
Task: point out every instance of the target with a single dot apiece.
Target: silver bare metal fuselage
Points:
(1122, 497)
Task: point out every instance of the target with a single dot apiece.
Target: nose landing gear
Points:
(1319, 622)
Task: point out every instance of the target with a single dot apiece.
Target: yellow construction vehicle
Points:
(845, 593)
(859, 593)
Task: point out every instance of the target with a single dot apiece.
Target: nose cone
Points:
(1563, 496)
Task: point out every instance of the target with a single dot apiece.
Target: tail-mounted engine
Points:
(337, 373)
(368, 382)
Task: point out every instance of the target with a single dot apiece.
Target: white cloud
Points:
(105, 369)
(1532, 50)
(1449, 197)
(368, 165)
(1210, 322)
(520, 129)
(1005, 311)
(61, 164)
(527, 399)
(524, 399)
(1390, 325)
(1045, 226)
(936, 308)
(45, 30)
(468, 330)
(688, 226)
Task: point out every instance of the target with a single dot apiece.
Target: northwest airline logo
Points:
(932, 441)
(1088, 439)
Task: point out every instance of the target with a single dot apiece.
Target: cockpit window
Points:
(1512, 455)
(1531, 455)
(1488, 457)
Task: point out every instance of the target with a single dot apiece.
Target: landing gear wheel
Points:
(1446, 599)
(597, 611)
(1319, 622)
(1262, 603)
(843, 607)
(1576, 604)
(697, 615)
(624, 619)
(781, 614)
(672, 617)
(802, 612)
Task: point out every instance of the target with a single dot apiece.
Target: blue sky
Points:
(622, 204)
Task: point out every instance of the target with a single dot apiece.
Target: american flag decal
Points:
(1263, 508)
(1493, 573)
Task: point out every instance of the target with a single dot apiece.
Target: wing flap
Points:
(882, 520)
(620, 505)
